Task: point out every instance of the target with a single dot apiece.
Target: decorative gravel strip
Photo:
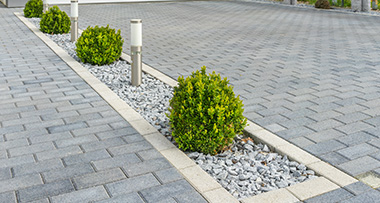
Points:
(244, 170)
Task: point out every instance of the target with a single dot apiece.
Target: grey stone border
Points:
(330, 178)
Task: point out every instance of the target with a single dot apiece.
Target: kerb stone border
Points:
(330, 178)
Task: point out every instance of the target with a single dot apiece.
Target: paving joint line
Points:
(330, 178)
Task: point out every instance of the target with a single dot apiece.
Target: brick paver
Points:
(61, 142)
(310, 76)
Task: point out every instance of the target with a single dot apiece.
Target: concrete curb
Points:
(208, 187)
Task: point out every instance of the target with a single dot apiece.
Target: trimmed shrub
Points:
(205, 115)
(323, 4)
(33, 8)
(55, 21)
(99, 45)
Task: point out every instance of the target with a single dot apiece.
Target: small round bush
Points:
(33, 8)
(99, 45)
(205, 115)
(55, 21)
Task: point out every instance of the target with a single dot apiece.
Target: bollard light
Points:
(46, 6)
(136, 48)
(74, 20)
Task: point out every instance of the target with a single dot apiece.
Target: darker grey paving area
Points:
(56, 148)
(310, 76)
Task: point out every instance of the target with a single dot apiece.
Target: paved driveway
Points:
(310, 76)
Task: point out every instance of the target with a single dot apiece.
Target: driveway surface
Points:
(310, 76)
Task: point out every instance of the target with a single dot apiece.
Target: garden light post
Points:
(74, 20)
(136, 47)
(46, 6)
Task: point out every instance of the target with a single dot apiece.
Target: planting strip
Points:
(331, 177)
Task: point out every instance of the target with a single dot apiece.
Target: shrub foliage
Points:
(55, 21)
(33, 8)
(205, 115)
(99, 45)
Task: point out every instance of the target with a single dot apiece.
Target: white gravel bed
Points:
(246, 169)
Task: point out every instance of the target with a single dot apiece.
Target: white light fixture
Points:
(136, 48)
(74, 20)
(46, 6)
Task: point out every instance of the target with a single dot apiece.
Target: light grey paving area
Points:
(55, 148)
(310, 76)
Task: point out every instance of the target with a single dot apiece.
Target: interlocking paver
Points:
(132, 184)
(356, 151)
(38, 192)
(333, 196)
(99, 178)
(85, 195)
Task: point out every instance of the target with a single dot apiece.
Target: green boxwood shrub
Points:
(99, 45)
(55, 21)
(33, 8)
(205, 115)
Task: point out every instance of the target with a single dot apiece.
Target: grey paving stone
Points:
(11, 129)
(373, 121)
(189, 197)
(8, 197)
(116, 161)
(20, 182)
(354, 127)
(14, 161)
(375, 142)
(324, 125)
(352, 117)
(91, 130)
(149, 154)
(334, 158)
(356, 138)
(5, 173)
(324, 147)
(34, 148)
(168, 175)
(108, 120)
(370, 196)
(295, 132)
(376, 155)
(130, 148)
(85, 195)
(358, 188)
(98, 178)
(333, 196)
(146, 167)
(50, 137)
(58, 153)
(67, 172)
(325, 135)
(37, 167)
(67, 127)
(76, 141)
(103, 144)
(167, 190)
(133, 138)
(86, 157)
(116, 133)
(133, 184)
(130, 197)
(13, 143)
(357, 151)
(79, 118)
(360, 165)
(45, 190)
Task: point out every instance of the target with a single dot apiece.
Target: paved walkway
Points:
(61, 142)
(310, 76)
